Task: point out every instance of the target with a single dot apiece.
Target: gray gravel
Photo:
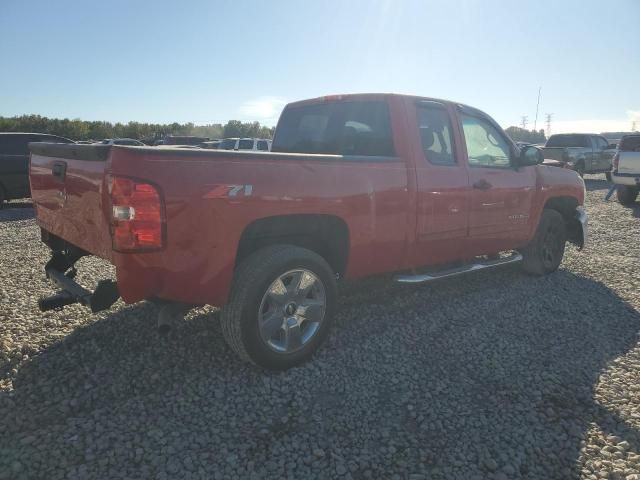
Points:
(497, 375)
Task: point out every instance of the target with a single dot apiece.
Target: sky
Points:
(206, 61)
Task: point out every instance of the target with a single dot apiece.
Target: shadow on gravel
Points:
(596, 184)
(16, 211)
(495, 373)
(635, 208)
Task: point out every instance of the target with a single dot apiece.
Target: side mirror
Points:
(530, 155)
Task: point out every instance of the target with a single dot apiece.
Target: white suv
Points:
(245, 144)
(626, 169)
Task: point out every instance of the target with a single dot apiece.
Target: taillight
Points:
(616, 161)
(137, 215)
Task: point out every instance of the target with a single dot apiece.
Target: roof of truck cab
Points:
(370, 96)
(383, 96)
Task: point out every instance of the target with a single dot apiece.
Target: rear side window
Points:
(568, 141)
(435, 134)
(339, 128)
(228, 144)
(245, 145)
(14, 144)
(630, 144)
(263, 145)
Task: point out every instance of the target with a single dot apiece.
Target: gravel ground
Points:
(496, 375)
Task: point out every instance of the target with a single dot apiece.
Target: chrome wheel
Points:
(292, 310)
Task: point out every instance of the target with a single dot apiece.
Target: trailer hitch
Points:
(61, 271)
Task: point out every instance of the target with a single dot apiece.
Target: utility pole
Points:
(633, 126)
(535, 122)
(548, 132)
(524, 122)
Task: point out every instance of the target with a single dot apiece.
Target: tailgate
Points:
(67, 187)
(629, 163)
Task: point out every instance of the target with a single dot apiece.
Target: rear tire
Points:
(545, 252)
(3, 197)
(268, 320)
(627, 194)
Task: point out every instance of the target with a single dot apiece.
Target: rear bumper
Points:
(61, 272)
(105, 294)
(631, 179)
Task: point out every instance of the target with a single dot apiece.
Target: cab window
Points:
(435, 134)
(486, 146)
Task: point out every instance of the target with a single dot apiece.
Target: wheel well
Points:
(327, 235)
(566, 206)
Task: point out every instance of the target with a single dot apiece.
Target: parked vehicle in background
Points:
(211, 145)
(356, 185)
(14, 162)
(626, 169)
(183, 140)
(584, 153)
(122, 141)
(261, 144)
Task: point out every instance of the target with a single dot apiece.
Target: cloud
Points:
(263, 109)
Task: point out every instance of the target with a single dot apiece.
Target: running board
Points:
(472, 267)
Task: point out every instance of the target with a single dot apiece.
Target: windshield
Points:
(341, 128)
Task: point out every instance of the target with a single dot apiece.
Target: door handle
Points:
(482, 185)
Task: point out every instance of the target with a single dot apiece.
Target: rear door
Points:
(501, 195)
(442, 185)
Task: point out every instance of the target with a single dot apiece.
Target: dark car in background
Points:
(14, 162)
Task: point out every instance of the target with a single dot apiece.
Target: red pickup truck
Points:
(355, 185)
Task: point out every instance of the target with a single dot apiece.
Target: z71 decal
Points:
(222, 191)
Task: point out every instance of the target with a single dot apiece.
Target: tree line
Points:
(77, 129)
(518, 134)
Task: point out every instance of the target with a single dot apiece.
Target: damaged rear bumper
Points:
(61, 272)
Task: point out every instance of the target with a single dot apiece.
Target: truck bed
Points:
(209, 198)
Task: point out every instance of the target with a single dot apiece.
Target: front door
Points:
(501, 194)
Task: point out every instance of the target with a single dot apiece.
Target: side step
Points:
(471, 267)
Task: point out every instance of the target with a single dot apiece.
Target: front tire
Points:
(281, 306)
(545, 252)
(627, 194)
